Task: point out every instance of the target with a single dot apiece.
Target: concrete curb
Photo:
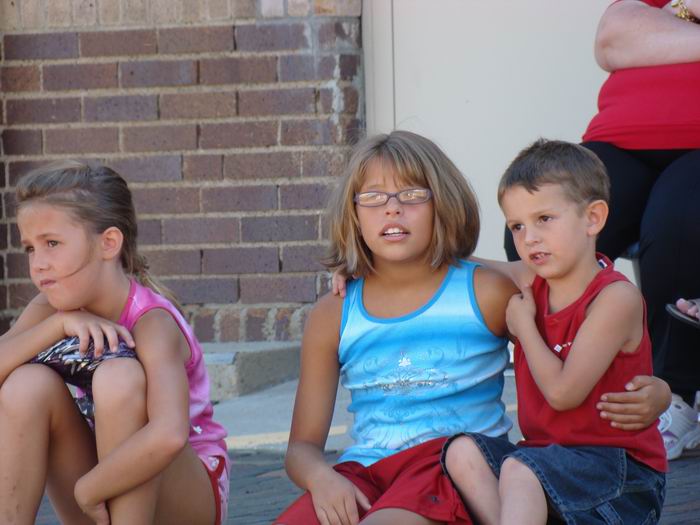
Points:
(236, 369)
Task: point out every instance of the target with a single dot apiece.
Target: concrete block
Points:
(236, 369)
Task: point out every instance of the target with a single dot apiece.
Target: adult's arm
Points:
(634, 34)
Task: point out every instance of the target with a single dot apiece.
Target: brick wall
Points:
(229, 118)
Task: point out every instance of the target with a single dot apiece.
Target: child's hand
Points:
(97, 512)
(338, 281)
(521, 311)
(335, 500)
(86, 326)
(646, 399)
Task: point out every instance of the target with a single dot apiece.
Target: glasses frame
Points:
(389, 195)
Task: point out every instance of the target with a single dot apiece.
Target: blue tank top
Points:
(431, 373)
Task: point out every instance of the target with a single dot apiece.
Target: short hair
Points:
(580, 173)
(416, 161)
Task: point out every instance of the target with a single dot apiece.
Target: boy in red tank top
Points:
(579, 331)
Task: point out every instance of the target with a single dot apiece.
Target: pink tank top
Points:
(206, 436)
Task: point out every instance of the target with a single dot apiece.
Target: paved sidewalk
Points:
(258, 427)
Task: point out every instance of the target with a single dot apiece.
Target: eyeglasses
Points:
(372, 199)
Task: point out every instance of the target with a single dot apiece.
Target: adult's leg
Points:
(524, 501)
(669, 255)
(43, 441)
(182, 493)
(474, 480)
(631, 182)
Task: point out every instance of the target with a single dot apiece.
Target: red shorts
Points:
(411, 480)
(216, 469)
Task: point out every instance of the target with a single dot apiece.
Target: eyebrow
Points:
(43, 236)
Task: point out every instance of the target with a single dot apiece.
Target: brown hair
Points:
(416, 161)
(579, 172)
(99, 198)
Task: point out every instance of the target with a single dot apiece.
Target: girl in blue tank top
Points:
(419, 340)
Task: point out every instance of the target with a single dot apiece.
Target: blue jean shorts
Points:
(585, 485)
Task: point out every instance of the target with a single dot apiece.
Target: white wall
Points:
(482, 79)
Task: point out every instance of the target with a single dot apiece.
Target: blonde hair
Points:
(99, 198)
(580, 173)
(416, 161)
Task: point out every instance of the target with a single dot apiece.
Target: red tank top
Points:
(541, 425)
(654, 107)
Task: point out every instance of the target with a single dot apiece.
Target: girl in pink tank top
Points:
(147, 449)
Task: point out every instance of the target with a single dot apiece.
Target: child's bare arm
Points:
(493, 290)
(331, 493)
(613, 322)
(162, 351)
(516, 271)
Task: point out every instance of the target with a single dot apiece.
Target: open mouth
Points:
(394, 232)
(539, 257)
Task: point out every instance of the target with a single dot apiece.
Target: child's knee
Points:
(118, 383)
(463, 455)
(29, 387)
(513, 469)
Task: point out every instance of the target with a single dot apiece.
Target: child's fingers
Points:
(112, 339)
(125, 336)
(83, 339)
(619, 408)
(621, 418)
(351, 510)
(628, 426)
(98, 339)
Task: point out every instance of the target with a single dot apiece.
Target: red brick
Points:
(240, 260)
(158, 73)
(149, 232)
(17, 266)
(202, 291)
(202, 167)
(323, 163)
(120, 108)
(238, 135)
(80, 76)
(166, 200)
(238, 70)
(261, 165)
(184, 40)
(349, 66)
(285, 325)
(21, 294)
(229, 325)
(336, 34)
(48, 110)
(85, 140)
(308, 132)
(276, 101)
(345, 100)
(160, 138)
(286, 228)
(21, 141)
(305, 258)
(278, 289)
(20, 78)
(17, 170)
(304, 196)
(271, 37)
(204, 325)
(173, 262)
(198, 105)
(160, 168)
(115, 43)
(240, 198)
(255, 323)
(41, 46)
(202, 230)
(295, 68)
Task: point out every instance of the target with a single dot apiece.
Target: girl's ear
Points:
(597, 214)
(111, 241)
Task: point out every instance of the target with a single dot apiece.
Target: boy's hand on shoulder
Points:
(520, 314)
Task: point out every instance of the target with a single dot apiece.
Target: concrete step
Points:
(236, 369)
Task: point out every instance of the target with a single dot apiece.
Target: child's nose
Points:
(393, 206)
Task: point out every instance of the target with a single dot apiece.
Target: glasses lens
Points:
(414, 195)
(371, 198)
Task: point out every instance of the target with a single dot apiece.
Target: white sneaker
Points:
(679, 427)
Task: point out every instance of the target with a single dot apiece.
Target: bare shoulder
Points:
(157, 333)
(493, 291)
(622, 296)
(324, 319)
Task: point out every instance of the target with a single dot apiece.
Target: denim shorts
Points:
(585, 485)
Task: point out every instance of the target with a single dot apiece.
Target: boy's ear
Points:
(597, 214)
(111, 241)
